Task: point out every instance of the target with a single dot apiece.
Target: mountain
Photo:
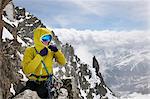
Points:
(123, 55)
(86, 80)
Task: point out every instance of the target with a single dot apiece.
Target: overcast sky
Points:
(90, 14)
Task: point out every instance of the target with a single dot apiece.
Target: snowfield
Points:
(136, 96)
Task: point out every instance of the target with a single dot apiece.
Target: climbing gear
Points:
(53, 84)
(39, 82)
(46, 76)
(49, 81)
(46, 38)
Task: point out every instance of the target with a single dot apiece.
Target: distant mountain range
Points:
(124, 56)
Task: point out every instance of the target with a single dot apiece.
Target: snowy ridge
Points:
(8, 35)
(124, 55)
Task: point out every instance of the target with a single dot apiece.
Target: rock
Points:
(63, 94)
(9, 68)
(28, 23)
(88, 82)
(27, 94)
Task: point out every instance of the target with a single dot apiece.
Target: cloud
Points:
(87, 36)
(88, 43)
(84, 54)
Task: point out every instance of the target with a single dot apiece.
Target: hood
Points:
(38, 33)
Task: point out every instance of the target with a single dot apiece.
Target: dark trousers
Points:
(39, 87)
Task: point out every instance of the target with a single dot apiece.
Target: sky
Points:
(114, 15)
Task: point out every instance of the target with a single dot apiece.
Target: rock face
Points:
(88, 81)
(9, 68)
(83, 81)
(27, 94)
(27, 22)
(10, 63)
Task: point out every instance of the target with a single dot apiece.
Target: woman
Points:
(37, 62)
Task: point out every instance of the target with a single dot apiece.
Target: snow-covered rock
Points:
(27, 94)
(9, 11)
(63, 94)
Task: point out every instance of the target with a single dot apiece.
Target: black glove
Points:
(44, 51)
(53, 48)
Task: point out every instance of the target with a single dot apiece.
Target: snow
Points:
(20, 55)
(12, 89)
(109, 94)
(63, 69)
(21, 20)
(134, 57)
(28, 24)
(9, 9)
(37, 21)
(7, 34)
(94, 78)
(95, 96)
(21, 41)
(136, 96)
(83, 93)
(63, 94)
(55, 69)
(12, 23)
(24, 76)
(112, 48)
(68, 77)
(29, 39)
(26, 14)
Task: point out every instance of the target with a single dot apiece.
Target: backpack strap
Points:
(43, 63)
(49, 81)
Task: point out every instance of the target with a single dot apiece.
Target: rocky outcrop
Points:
(88, 80)
(27, 22)
(83, 81)
(27, 94)
(9, 69)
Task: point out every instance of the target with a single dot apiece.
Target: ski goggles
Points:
(46, 38)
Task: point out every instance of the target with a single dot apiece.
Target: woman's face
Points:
(46, 43)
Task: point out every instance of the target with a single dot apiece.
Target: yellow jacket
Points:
(32, 64)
